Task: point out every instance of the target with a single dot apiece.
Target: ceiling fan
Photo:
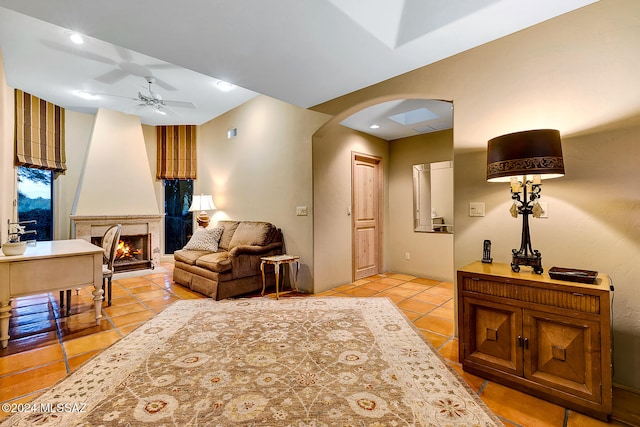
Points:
(153, 99)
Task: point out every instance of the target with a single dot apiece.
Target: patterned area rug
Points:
(303, 362)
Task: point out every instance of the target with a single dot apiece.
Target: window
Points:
(35, 188)
(178, 221)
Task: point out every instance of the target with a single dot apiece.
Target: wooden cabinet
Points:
(546, 337)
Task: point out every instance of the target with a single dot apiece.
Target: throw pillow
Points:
(204, 239)
(217, 234)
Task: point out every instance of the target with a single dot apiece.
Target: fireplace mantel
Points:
(87, 226)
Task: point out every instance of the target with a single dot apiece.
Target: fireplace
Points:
(139, 246)
(117, 148)
(133, 252)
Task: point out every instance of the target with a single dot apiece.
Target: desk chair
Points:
(109, 244)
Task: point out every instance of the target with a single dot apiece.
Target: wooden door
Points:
(367, 215)
(491, 335)
(563, 353)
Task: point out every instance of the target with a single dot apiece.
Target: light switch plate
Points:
(476, 209)
(301, 211)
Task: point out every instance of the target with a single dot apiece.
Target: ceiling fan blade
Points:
(164, 85)
(111, 76)
(123, 53)
(166, 66)
(78, 52)
(172, 113)
(115, 96)
(180, 104)
(135, 109)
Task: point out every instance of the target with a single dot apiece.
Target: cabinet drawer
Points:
(564, 299)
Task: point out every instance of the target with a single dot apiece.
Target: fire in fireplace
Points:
(126, 251)
(133, 252)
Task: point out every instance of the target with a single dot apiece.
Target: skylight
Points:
(414, 116)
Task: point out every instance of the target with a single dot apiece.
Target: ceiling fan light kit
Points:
(153, 99)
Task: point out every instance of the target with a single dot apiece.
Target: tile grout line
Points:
(59, 333)
(411, 298)
(106, 317)
(138, 300)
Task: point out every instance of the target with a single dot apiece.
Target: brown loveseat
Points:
(235, 268)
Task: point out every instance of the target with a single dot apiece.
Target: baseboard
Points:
(626, 388)
(626, 405)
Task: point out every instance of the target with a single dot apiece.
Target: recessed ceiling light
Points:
(374, 126)
(224, 86)
(76, 38)
(86, 95)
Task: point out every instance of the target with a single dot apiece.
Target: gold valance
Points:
(39, 133)
(176, 152)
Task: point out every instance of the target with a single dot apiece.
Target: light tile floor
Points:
(46, 347)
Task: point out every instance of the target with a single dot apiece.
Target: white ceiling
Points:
(303, 52)
(402, 118)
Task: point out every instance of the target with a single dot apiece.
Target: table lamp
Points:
(202, 203)
(524, 159)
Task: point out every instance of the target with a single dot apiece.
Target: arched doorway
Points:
(333, 148)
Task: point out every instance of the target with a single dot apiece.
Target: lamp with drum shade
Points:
(524, 159)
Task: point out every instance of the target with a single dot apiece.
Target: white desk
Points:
(46, 267)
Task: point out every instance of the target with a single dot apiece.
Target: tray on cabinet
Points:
(573, 275)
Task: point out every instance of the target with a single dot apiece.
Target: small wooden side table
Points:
(276, 261)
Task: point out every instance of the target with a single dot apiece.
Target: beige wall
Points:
(431, 254)
(7, 170)
(78, 128)
(264, 172)
(333, 146)
(576, 73)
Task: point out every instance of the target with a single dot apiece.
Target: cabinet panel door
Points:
(563, 353)
(491, 333)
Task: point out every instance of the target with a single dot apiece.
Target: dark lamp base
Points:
(531, 260)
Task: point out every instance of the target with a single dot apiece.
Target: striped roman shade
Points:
(39, 133)
(176, 152)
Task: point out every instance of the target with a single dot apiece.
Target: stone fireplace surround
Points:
(86, 227)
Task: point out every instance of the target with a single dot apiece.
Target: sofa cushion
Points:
(227, 234)
(252, 233)
(204, 239)
(188, 257)
(218, 262)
